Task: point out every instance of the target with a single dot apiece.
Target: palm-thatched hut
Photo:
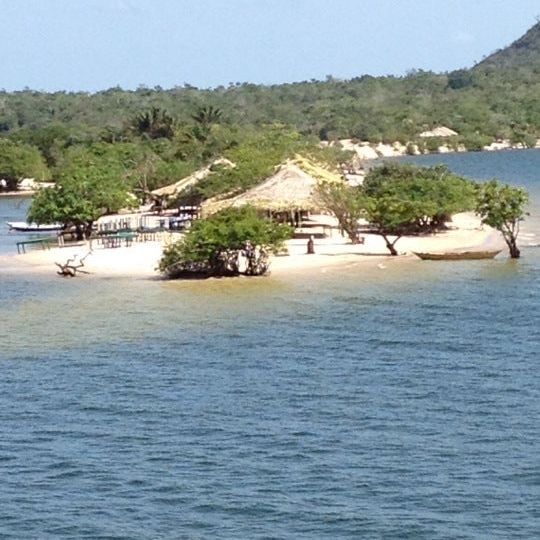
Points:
(289, 190)
(173, 190)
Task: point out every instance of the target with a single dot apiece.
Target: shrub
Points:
(232, 242)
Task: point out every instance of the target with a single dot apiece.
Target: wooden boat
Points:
(22, 226)
(458, 255)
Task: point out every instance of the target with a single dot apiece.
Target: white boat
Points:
(22, 226)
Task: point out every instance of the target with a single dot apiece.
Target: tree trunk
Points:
(79, 231)
(354, 237)
(512, 246)
(390, 245)
(88, 230)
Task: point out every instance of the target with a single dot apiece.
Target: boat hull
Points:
(458, 255)
(22, 226)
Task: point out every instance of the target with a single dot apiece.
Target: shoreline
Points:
(380, 151)
(23, 193)
(367, 152)
(140, 259)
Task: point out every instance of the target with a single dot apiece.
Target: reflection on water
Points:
(82, 312)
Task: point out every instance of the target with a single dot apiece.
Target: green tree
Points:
(391, 216)
(345, 202)
(204, 118)
(18, 161)
(503, 207)
(435, 192)
(154, 124)
(213, 246)
(50, 140)
(406, 199)
(89, 183)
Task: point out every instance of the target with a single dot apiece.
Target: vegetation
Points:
(497, 98)
(398, 199)
(153, 124)
(503, 208)
(432, 194)
(229, 243)
(346, 203)
(18, 161)
(104, 150)
(90, 183)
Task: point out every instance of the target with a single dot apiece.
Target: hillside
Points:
(524, 52)
(498, 98)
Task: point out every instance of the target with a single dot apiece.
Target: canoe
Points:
(22, 226)
(458, 255)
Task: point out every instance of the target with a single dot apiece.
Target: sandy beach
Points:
(141, 259)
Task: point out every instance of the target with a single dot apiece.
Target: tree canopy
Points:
(432, 194)
(18, 161)
(498, 98)
(399, 199)
(503, 207)
(231, 242)
(90, 182)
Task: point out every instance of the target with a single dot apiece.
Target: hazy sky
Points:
(97, 44)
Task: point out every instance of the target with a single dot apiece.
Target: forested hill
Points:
(524, 52)
(498, 98)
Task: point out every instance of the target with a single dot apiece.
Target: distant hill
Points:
(499, 98)
(525, 52)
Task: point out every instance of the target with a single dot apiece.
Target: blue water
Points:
(364, 402)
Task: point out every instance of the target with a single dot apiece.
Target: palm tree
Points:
(154, 124)
(206, 116)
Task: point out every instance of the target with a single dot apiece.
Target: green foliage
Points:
(90, 182)
(255, 157)
(432, 194)
(398, 199)
(51, 140)
(18, 161)
(213, 245)
(487, 100)
(503, 208)
(345, 202)
(460, 78)
(390, 215)
(204, 118)
(154, 124)
(475, 142)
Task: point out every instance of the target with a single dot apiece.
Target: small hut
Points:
(287, 195)
(173, 190)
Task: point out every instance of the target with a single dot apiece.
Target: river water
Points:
(400, 401)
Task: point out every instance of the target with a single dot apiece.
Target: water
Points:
(362, 402)
(12, 209)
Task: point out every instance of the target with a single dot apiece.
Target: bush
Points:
(229, 243)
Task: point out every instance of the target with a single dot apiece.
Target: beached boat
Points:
(458, 255)
(22, 226)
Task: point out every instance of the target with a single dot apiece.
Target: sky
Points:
(93, 45)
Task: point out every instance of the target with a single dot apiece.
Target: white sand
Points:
(141, 259)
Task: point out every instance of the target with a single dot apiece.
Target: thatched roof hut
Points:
(290, 188)
(193, 179)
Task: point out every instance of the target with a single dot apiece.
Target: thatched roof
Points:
(173, 190)
(291, 187)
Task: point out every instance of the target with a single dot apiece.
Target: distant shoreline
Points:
(389, 147)
(23, 193)
(365, 151)
(141, 259)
